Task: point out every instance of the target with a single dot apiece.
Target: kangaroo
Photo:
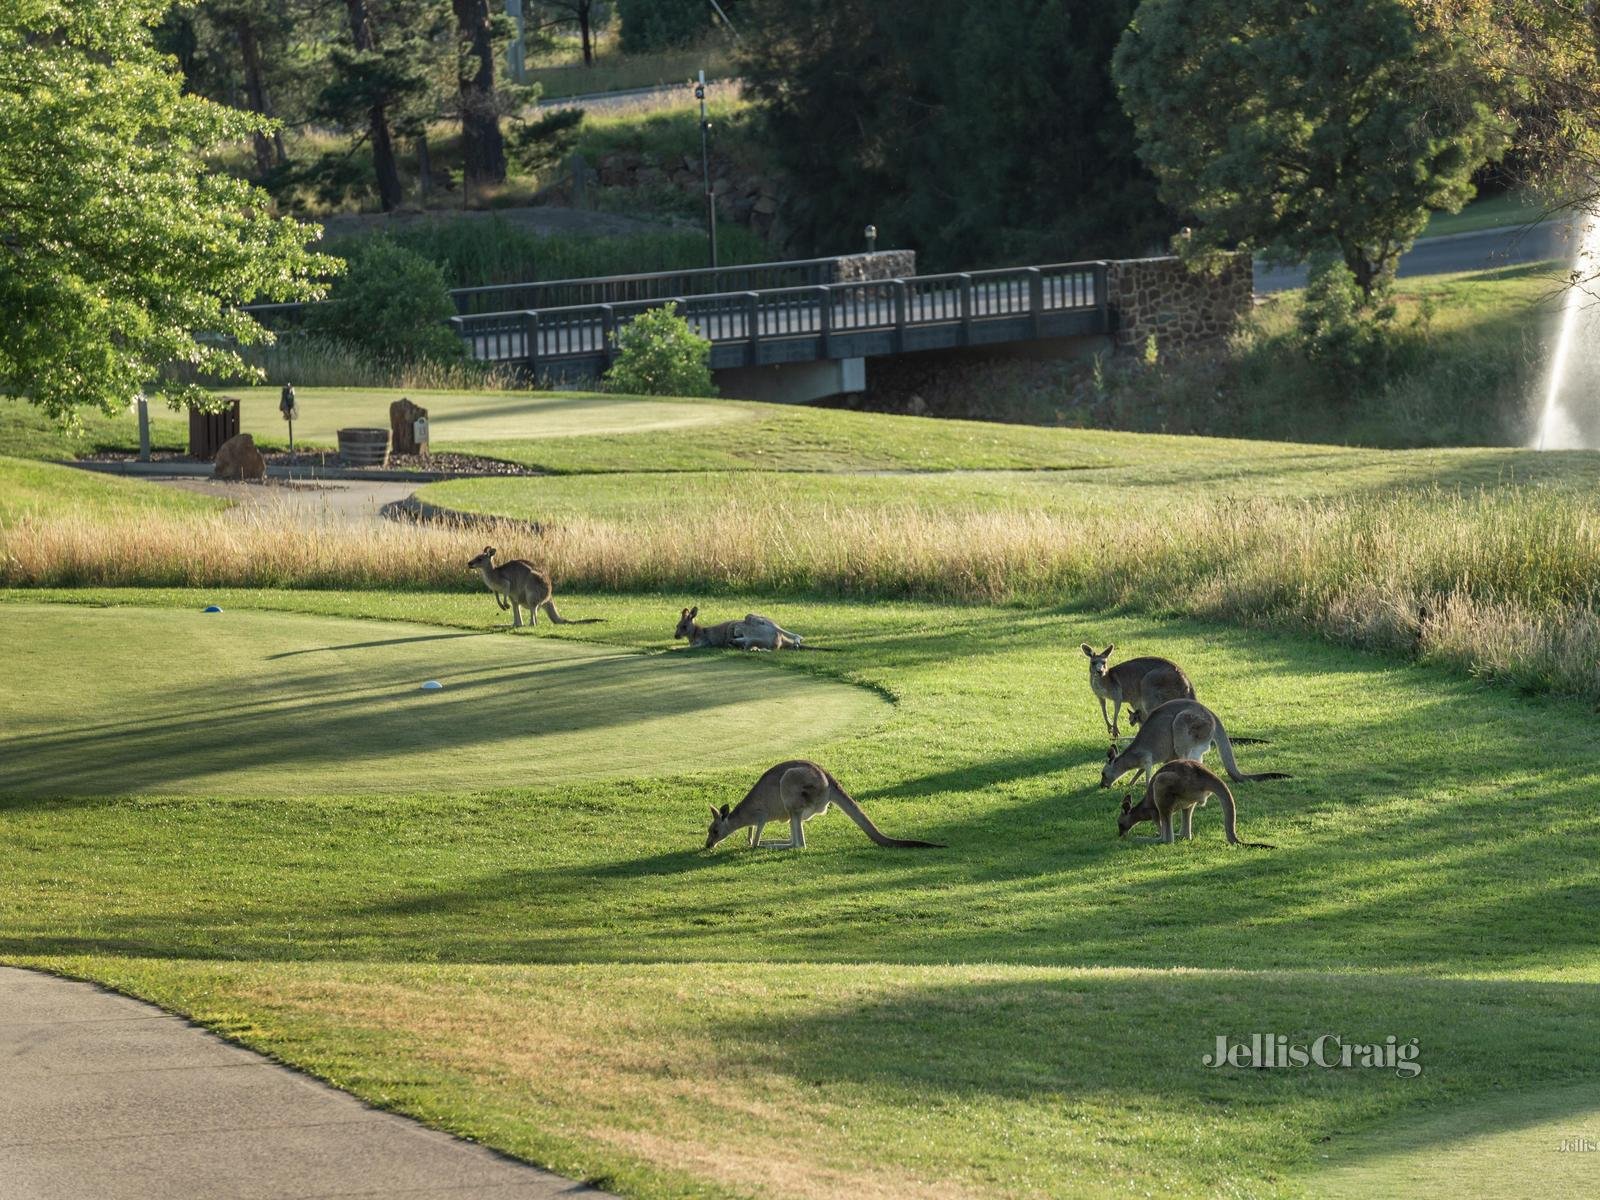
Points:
(518, 584)
(795, 791)
(1143, 684)
(1178, 729)
(1180, 787)
(755, 632)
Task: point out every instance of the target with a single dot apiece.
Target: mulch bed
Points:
(465, 464)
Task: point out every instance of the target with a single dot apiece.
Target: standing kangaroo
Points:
(1143, 684)
(518, 584)
(795, 791)
(1177, 729)
(1180, 787)
(755, 632)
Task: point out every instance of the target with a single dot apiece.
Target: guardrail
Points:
(752, 327)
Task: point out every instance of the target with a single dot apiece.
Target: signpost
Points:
(290, 410)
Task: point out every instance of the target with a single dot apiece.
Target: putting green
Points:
(455, 417)
(135, 700)
(1539, 1145)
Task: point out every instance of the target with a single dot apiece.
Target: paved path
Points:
(333, 501)
(1507, 246)
(106, 1098)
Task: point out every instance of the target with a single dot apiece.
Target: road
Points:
(1506, 246)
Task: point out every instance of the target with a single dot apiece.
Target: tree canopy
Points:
(968, 132)
(1289, 127)
(119, 249)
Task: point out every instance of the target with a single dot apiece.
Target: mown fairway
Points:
(561, 971)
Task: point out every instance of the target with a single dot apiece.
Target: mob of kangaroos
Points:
(1175, 731)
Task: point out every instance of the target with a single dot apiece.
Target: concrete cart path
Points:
(108, 1097)
(325, 501)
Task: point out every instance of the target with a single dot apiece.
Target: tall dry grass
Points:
(1503, 584)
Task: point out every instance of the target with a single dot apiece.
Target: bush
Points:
(1337, 328)
(391, 303)
(659, 355)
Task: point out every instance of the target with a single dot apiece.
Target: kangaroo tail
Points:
(1230, 818)
(1225, 748)
(853, 810)
(549, 607)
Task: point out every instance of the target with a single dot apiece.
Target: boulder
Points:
(403, 417)
(238, 458)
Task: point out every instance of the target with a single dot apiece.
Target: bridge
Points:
(781, 314)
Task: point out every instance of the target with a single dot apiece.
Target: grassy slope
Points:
(1492, 212)
(36, 488)
(564, 975)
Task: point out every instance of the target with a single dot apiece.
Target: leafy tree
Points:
(392, 302)
(656, 24)
(971, 133)
(658, 354)
(118, 248)
(1287, 126)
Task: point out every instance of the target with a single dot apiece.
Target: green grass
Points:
(44, 489)
(86, 716)
(1490, 212)
(558, 970)
(617, 72)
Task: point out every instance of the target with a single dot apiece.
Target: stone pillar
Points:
(403, 426)
(1185, 309)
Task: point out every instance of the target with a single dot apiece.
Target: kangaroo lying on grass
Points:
(518, 584)
(755, 632)
(1180, 787)
(1143, 684)
(794, 791)
(1178, 729)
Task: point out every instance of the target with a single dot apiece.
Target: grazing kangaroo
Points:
(1180, 787)
(518, 584)
(755, 632)
(795, 791)
(1143, 684)
(1178, 729)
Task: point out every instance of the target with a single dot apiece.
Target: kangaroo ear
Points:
(1106, 653)
(1127, 803)
(714, 813)
(1086, 648)
(1111, 752)
(695, 611)
(724, 810)
(489, 550)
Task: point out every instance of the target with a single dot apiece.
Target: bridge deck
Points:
(799, 324)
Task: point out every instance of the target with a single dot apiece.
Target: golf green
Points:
(113, 701)
(455, 417)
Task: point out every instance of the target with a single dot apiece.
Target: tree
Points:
(118, 248)
(585, 14)
(970, 133)
(483, 148)
(657, 24)
(370, 82)
(391, 302)
(658, 354)
(1286, 126)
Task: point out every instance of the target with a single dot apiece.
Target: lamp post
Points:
(871, 232)
(705, 167)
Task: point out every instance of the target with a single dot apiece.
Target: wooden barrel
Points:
(363, 447)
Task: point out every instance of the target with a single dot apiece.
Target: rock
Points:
(691, 163)
(916, 406)
(238, 458)
(403, 416)
(649, 176)
(765, 204)
(683, 179)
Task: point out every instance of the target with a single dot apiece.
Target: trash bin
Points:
(208, 430)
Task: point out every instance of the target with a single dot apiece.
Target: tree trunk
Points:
(482, 146)
(583, 30)
(424, 169)
(383, 161)
(269, 151)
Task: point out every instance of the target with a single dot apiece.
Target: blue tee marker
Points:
(433, 685)
(211, 608)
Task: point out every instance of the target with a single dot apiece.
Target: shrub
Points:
(1337, 327)
(391, 303)
(656, 24)
(659, 355)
